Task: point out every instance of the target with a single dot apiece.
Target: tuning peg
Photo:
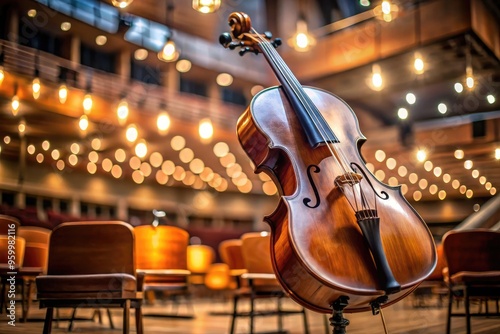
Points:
(268, 35)
(277, 42)
(225, 39)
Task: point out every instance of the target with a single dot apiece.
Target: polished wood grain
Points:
(401, 318)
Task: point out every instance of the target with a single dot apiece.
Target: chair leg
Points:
(252, 311)
(138, 320)
(306, 325)
(126, 316)
(111, 324)
(235, 310)
(47, 326)
(27, 299)
(280, 318)
(71, 321)
(467, 308)
(450, 304)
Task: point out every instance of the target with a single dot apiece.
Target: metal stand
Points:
(337, 321)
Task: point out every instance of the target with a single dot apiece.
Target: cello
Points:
(341, 240)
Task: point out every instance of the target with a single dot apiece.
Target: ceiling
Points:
(377, 111)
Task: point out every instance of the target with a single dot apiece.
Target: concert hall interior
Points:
(250, 166)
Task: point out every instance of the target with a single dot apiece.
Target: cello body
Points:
(319, 252)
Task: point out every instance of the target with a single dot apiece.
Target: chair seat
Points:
(476, 277)
(114, 286)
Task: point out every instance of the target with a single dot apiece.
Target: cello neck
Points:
(315, 127)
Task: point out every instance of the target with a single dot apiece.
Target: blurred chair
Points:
(161, 257)
(262, 282)
(473, 258)
(35, 261)
(91, 264)
(218, 277)
(230, 253)
(199, 260)
(8, 223)
(11, 260)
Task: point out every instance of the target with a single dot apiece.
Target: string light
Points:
(163, 120)
(87, 103)
(122, 111)
(302, 40)
(63, 93)
(169, 52)
(131, 133)
(377, 81)
(418, 63)
(36, 86)
(15, 105)
(206, 129)
(121, 3)
(83, 123)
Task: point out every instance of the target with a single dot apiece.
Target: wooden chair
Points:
(35, 261)
(262, 282)
(91, 264)
(230, 253)
(473, 270)
(8, 223)
(161, 257)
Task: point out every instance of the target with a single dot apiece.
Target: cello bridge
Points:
(350, 178)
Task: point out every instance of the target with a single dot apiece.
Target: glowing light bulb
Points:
(206, 129)
(469, 82)
(421, 155)
(491, 99)
(376, 79)
(411, 98)
(169, 52)
(83, 123)
(15, 105)
(442, 108)
(63, 93)
(459, 88)
(403, 113)
(141, 149)
(35, 86)
(131, 133)
(163, 122)
(121, 3)
(87, 103)
(122, 111)
(418, 63)
(2, 74)
(206, 6)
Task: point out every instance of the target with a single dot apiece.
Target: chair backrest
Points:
(256, 251)
(7, 224)
(12, 247)
(161, 247)
(472, 250)
(36, 251)
(98, 247)
(231, 254)
(199, 258)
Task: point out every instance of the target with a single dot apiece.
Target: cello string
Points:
(314, 116)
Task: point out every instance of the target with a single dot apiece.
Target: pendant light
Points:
(121, 3)
(206, 6)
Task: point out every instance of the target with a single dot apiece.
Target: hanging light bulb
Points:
(36, 86)
(206, 6)
(206, 129)
(121, 3)
(376, 82)
(87, 103)
(83, 123)
(63, 93)
(169, 52)
(302, 41)
(131, 133)
(418, 63)
(2, 74)
(141, 149)
(163, 120)
(469, 80)
(21, 127)
(122, 111)
(15, 104)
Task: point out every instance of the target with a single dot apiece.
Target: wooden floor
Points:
(403, 317)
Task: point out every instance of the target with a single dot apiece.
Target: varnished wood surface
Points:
(400, 318)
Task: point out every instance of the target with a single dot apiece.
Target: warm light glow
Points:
(438, 171)
(475, 173)
(497, 153)
(138, 177)
(122, 111)
(468, 164)
(161, 177)
(482, 180)
(2, 74)
(197, 166)
(221, 149)
(442, 108)
(402, 113)
(60, 164)
(87, 103)
(183, 66)
(169, 52)
(31, 149)
(459, 154)
(417, 195)
(101, 40)
(146, 169)
(469, 82)
(91, 168)
(442, 194)
(96, 144)
(116, 171)
(32, 12)
(391, 163)
(45, 145)
(93, 156)
(255, 89)
(178, 143)
(55, 154)
(168, 167)
(380, 155)
(421, 155)
(73, 159)
(21, 127)
(224, 79)
(418, 63)
(36, 86)
(206, 6)
(433, 189)
(376, 82)
(121, 3)
(65, 26)
(163, 122)
(380, 174)
(63, 93)
(469, 193)
(428, 165)
(386, 7)
(423, 184)
(131, 133)
(490, 98)
(74, 148)
(206, 129)
(446, 178)
(141, 149)
(411, 98)
(269, 188)
(140, 54)
(134, 162)
(15, 105)
(455, 184)
(302, 41)
(459, 88)
(402, 171)
(186, 155)
(120, 155)
(83, 123)
(39, 158)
